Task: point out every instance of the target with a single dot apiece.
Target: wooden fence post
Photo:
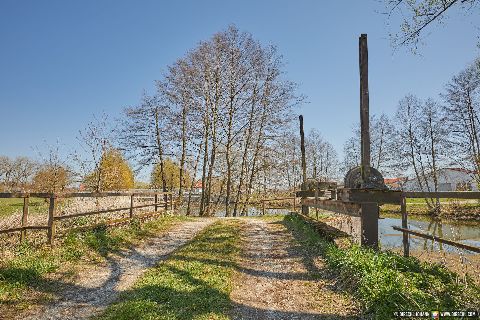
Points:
(294, 201)
(131, 205)
(51, 220)
(316, 199)
(171, 201)
(369, 225)
(156, 202)
(406, 243)
(23, 234)
(165, 201)
(263, 206)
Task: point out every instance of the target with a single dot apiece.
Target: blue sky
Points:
(63, 61)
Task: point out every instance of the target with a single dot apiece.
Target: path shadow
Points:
(195, 298)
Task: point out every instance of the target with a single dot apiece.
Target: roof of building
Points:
(394, 180)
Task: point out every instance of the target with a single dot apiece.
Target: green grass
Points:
(10, 206)
(385, 282)
(26, 274)
(193, 283)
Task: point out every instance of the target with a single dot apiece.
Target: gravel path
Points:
(96, 288)
(278, 281)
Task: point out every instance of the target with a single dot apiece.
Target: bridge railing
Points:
(364, 204)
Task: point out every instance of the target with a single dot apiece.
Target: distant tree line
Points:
(222, 122)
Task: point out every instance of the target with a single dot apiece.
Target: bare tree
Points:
(94, 141)
(218, 108)
(417, 15)
(462, 105)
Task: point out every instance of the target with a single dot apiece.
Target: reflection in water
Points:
(468, 233)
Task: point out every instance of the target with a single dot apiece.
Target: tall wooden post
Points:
(171, 201)
(131, 205)
(294, 200)
(165, 201)
(156, 202)
(406, 244)
(364, 107)
(263, 206)
(23, 234)
(369, 225)
(304, 164)
(51, 220)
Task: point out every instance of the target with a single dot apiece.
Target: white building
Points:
(449, 179)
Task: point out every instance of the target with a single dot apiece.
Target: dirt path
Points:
(96, 288)
(278, 281)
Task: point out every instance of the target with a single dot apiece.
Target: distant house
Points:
(449, 179)
(197, 187)
(395, 183)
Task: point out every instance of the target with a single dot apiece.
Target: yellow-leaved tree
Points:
(113, 173)
(172, 175)
(51, 178)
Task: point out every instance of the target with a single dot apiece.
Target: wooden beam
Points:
(364, 107)
(444, 194)
(304, 163)
(74, 194)
(51, 221)
(405, 240)
(441, 240)
(369, 225)
(23, 234)
(369, 195)
(347, 208)
(82, 214)
(131, 205)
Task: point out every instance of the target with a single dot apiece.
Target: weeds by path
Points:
(386, 282)
(193, 283)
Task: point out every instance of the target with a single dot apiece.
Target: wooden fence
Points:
(365, 203)
(433, 195)
(162, 202)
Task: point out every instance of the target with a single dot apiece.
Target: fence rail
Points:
(364, 204)
(166, 203)
(438, 239)
(441, 194)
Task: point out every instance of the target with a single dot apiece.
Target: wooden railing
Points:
(433, 195)
(364, 204)
(166, 202)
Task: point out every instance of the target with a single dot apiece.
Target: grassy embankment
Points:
(193, 283)
(31, 275)
(450, 208)
(385, 282)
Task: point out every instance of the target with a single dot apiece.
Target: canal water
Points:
(462, 231)
(467, 232)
